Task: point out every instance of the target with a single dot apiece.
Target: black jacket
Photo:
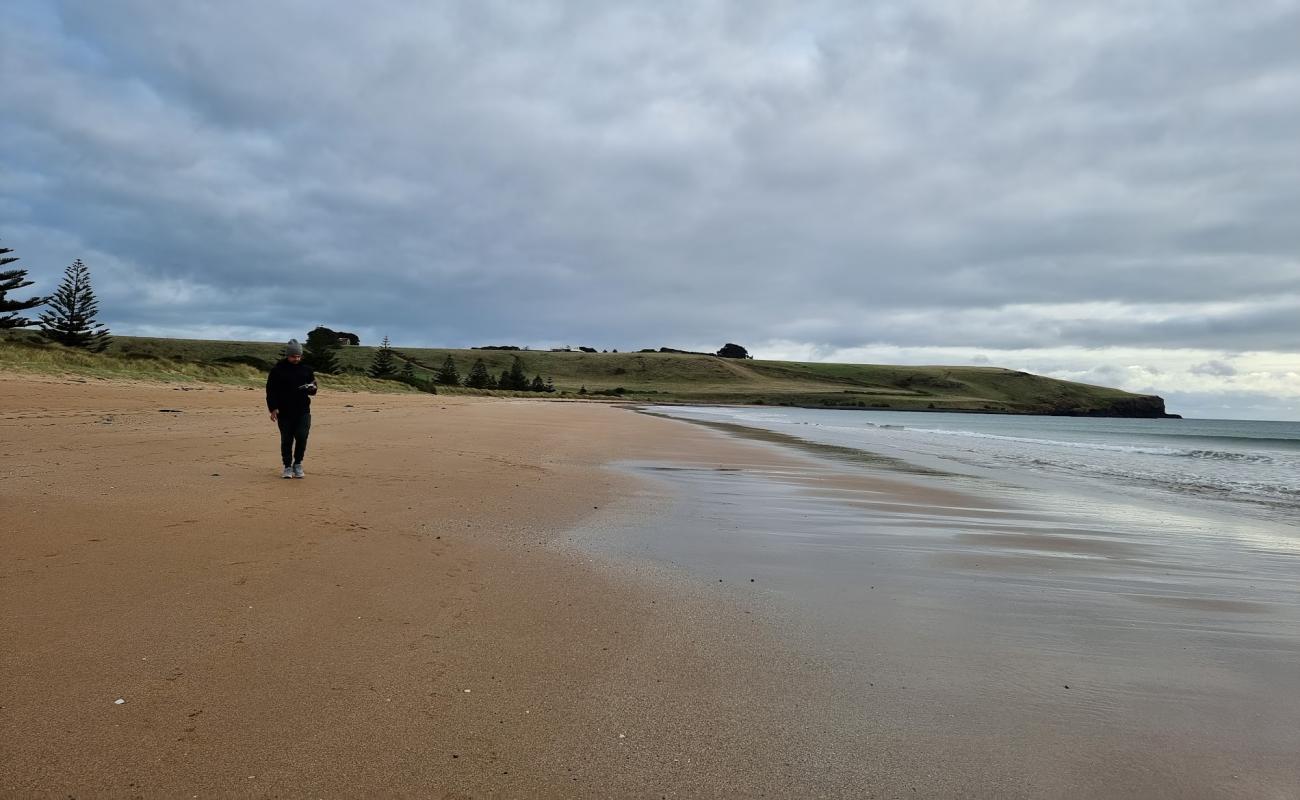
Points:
(285, 388)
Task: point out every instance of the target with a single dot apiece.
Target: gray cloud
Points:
(832, 173)
(1215, 367)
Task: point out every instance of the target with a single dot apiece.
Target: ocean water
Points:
(1231, 467)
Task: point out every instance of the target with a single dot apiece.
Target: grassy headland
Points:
(641, 377)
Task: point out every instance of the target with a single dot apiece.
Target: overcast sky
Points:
(1101, 191)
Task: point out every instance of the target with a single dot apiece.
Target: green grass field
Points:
(643, 377)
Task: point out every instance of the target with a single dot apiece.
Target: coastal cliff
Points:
(1142, 406)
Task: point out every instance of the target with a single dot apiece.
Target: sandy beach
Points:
(442, 609)
(395, 624)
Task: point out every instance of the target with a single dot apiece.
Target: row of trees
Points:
(319, 354)
(69, 317)
(728, 350)
(513, 379)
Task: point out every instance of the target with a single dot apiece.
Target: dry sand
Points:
(399, 623)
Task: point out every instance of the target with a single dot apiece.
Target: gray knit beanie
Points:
(293, 348)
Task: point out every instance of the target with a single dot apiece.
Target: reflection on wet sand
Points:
(1044, 648)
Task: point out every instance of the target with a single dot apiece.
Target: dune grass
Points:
(47, 359)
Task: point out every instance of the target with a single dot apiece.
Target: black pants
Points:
(293, 436)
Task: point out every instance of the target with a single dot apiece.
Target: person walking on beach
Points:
(289, 389)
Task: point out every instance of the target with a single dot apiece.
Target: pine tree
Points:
(408, 373)
(318, 352)
(479, 377)
(503, 380)
(515, 380)
(537, 384)
(70, 319)
(383, 366)
(11, 280)
(550, 385)
(448, 375)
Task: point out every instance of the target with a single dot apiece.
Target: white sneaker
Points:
(288, 472)
(297, 471)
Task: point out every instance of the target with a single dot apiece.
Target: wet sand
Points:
(1024, 651)
(463, 599)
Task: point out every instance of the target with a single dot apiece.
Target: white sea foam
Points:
(1256, 463)
(1219, 455)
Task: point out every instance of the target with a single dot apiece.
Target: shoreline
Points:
(640, 404)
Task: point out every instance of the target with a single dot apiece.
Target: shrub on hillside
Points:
(318, 352)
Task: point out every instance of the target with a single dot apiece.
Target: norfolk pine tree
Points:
(515, 379)
(479, 377)
(382, 366)
(448, 375)
(70, 320)
(11, 280)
